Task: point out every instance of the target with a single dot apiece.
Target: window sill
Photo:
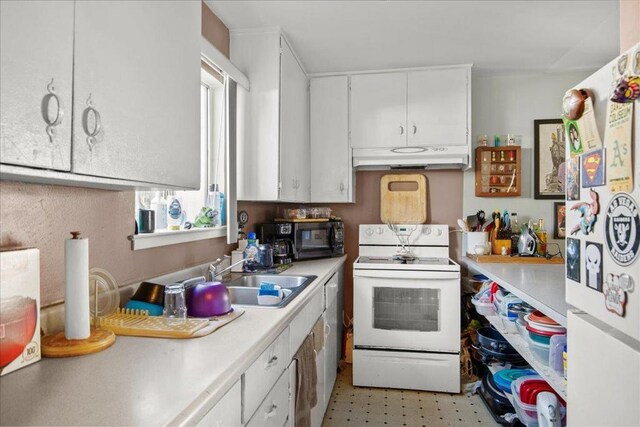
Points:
(166, 237)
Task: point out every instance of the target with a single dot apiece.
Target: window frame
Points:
(231, 80)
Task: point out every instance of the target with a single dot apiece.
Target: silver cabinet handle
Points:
(273, 361)
(401, 130)
(97, 127)
(341, 186)
(51, 124)
(272, 411)
(415, 128)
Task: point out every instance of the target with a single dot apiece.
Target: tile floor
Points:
(363, 406)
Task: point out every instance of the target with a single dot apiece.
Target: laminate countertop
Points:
(539, 285)
(151, 381)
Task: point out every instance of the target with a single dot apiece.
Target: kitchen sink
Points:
(243, 291)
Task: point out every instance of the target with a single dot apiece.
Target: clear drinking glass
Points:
(175, 306)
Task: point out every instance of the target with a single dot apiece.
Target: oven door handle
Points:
(408, 274)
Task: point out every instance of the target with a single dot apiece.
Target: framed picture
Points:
(548, 159)
(559, 220)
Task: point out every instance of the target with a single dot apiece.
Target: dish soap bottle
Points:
(174, 212)
(251, 251)
(159, 206)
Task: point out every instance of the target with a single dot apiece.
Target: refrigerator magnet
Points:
(589, 134)
(573, 259)
(615, 298)
(626, 90)
(593, 260)
(573, 178)
(593, 168)
(622, 226)
(573, 136)
(588, 214)
(619, 147)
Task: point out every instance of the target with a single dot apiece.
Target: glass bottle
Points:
(542, 237)
(515, 233)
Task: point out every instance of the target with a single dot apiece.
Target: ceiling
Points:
(505, 35)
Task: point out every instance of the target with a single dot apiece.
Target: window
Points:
(200, 214)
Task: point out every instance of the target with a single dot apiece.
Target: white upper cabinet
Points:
(273, 143)
(331, 171)
(437, 107)
(379, 110)
(36, 69)
(425, 108)
(294, 128)
(137, 90)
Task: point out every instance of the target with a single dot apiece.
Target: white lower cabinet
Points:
(274, 409)
(264, 372)
(304, 321)
(227, 411)
(266, 394)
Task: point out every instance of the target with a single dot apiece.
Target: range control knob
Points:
(426, 230)
(438, 232)
(369, 231)
(380, 230)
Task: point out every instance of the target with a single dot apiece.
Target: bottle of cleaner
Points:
(251, 251)
(159, 206)
(223, 213)
(174, 212)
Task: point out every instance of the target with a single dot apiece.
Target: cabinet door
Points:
(333, 346)
(438, 107)
(227, 411)
(331, 165)
(379, 110)
(36, 68)
(294, 128)
(138, 65)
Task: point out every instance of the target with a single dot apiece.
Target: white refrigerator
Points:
(602, 228)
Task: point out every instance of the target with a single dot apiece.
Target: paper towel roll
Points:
(76, 288)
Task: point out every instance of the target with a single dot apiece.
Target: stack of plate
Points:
(540, 329)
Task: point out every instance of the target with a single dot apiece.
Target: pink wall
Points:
(444, 201)
(42, 216)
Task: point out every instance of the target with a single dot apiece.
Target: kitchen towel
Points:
(76, 288)
(318, 335)
(306, 382)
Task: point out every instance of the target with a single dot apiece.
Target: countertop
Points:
(151, 381)
(540, 285)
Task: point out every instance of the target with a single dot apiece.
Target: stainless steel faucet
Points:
(213, 267)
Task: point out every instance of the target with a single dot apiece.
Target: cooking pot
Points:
(208, 299)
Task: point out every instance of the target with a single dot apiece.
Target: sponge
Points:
(268, 288)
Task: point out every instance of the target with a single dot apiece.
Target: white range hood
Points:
(432, 157)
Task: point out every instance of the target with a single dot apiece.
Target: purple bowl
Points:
(208, 299)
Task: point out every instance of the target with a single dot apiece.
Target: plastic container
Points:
(319, 213)
(299, 213)
(483, 307)
(528, 414)
(540, 351)
(556, 348)
(522, 329)
(508, 324)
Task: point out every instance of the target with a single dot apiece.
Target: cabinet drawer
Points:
(264, 372)
(227, 411)
(304, 321)
(274, 409)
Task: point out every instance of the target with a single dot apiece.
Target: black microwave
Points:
(308, 240)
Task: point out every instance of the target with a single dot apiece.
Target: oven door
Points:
(407, 310)
(313, 239)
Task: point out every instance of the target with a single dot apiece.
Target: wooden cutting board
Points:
(403, 198)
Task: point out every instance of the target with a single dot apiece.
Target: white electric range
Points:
(406, 306)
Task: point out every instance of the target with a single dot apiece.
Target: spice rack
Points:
(498, 171)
